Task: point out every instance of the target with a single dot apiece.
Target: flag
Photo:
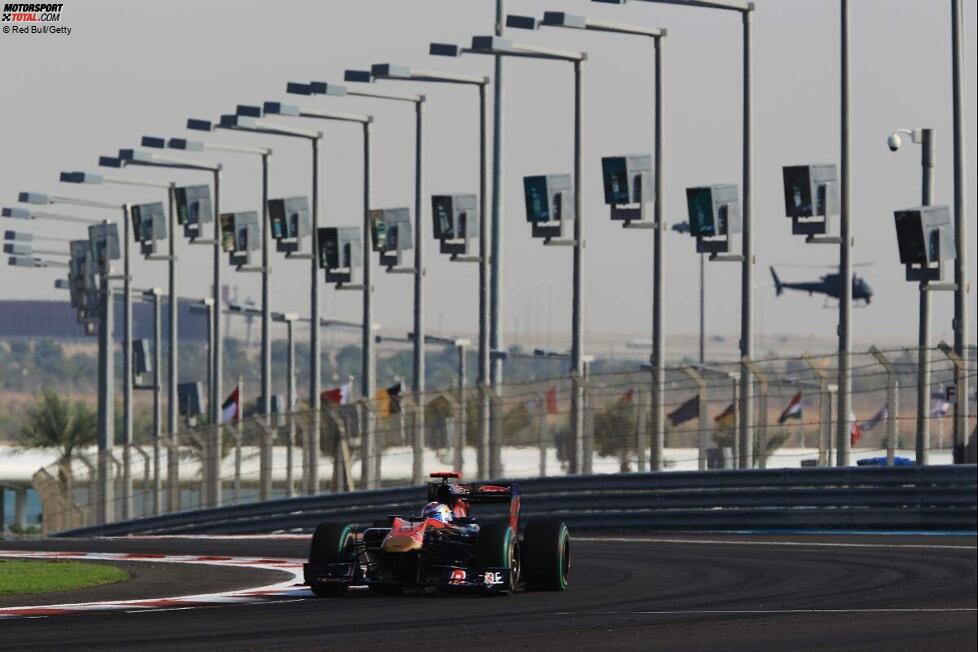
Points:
(877, 419)
(552, 400)
(394, 397)
(726, 418)
(855, 432)
(389, 400)
(793, 411)
(231, 407)
(337, 395)
(939, 408)
(626, 398)
(685, 412)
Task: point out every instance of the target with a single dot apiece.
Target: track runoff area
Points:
(689, 592)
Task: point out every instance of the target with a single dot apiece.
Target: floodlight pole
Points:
(266, 311)
(367, 382)
(484, 270)
(157, 405)
(746, 420)
(496, 254)
(923, 331)
(127, 404)
(106, 403)
(311, 444)
(577, 306)
(496, 227)
(925, 138)
(172, 361)
(961, 279)
(844, 411)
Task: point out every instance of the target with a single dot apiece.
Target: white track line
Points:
(287, 588)
(767, 612)
(797, 544)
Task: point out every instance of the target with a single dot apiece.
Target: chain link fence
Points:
(523, 429)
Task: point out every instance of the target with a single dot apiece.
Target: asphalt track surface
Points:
(657, 592)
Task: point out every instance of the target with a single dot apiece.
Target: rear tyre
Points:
(331, 543)
(498, 547)
(546, 553)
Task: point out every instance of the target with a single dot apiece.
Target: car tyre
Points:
(331, 543)
(498, 546)
(546, 555)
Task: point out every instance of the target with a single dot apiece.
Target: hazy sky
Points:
(132, 68)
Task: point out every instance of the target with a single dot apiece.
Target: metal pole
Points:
(495, 299)
(267, 439)
(217, 392)
(495, 309)
(218, 344)
(658, 362)
(484, 287)
(126, 371)
(702, 309)
(106, 408)
(173, 497)
(367, 353)
(266, 314)
(419, 222)
(289, 485)
(746, 282)
(462, 425)
(311, 438)
(577, 305)
(760, 459)
(845, 261)
(923, 328)
(157, 408)
(961, 278)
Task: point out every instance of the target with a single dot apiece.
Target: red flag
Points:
(793, 411)
(855, 432)
(552, 400)
(626, 398)
(232, 406)
(337, 395)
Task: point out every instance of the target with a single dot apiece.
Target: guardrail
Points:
(855, 498)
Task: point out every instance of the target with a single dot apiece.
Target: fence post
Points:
(961, 371)
(587, 447)
(734, 398)
(892, 408)
(463, 418)
(417, 446)
(642, 440)
(758, 455)
(825, 392)
(701, 406)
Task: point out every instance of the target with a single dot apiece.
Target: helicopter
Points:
(828, 285)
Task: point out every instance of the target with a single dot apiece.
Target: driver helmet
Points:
(437, 511)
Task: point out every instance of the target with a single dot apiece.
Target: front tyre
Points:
(498, 547)
(546, 553)
(331, 543)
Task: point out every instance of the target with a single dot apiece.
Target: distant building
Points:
(56, 320)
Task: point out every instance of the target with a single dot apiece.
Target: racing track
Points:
(679, 592)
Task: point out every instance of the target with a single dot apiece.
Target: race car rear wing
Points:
(478, 493)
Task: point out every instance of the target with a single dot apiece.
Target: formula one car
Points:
(444, 547)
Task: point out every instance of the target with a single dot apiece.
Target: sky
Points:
(130, 69)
